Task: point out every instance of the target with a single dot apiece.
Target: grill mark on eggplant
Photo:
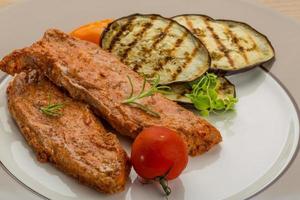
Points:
(177, 43)
(254, 47)
(175, 74)
(180, 40)
(117, 36)
(220, 45)
(136, 67)
(135, 49)
(161, 36)
(194, 30)
(189, 23)
(249, 52)
(188, 60)
(161, 63)
(190, 57)
(236, 42)
(137, 37)
(158, 38)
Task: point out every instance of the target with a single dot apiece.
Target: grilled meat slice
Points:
(75, 141)
(90, 74)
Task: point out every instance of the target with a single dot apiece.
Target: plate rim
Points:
(265, 187)
(296, 106)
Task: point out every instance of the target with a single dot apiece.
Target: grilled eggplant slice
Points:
(233, 46)
(152, 44)
(179, 90)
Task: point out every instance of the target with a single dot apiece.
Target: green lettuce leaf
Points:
(205, 95)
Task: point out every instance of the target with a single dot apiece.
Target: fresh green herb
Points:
(52, 109)
(205, 95)
(155, 88)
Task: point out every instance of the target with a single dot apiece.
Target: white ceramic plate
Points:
(260, 139)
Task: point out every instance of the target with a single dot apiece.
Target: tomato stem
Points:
(164, 184)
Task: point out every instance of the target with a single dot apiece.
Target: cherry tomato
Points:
(92, 31)
(159, 152)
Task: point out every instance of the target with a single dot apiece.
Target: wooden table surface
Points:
(287, 7)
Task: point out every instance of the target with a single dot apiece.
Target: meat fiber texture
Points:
(98, 78)
(74, 141)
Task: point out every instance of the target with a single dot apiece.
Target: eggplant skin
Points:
(179, 90)
(151, 44)
(218, 69)
(221, 72)
(228, 87)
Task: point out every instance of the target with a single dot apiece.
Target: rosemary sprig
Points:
(132, 100)
(52, 109)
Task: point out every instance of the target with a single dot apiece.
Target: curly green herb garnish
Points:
(132, 100)
(206, 96)
(52, 109)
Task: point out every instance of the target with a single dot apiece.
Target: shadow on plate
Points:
(140, 191)
(268, 65)
(200, 162)
(44, 178)
(224, 120)
(246, 83)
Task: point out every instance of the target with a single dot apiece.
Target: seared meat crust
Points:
(92, 75)
(75, 142)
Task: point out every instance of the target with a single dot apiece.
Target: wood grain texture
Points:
(286, 7)
(4, 2)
